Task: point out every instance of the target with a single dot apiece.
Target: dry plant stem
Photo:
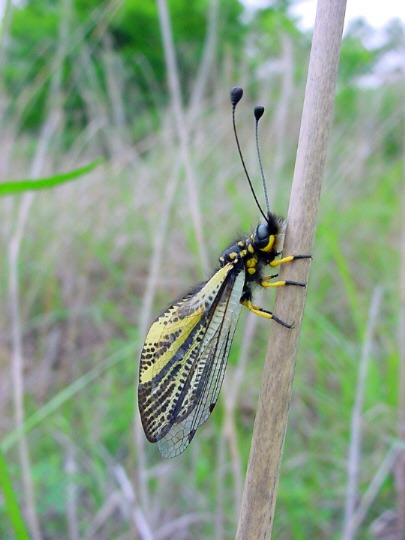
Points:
(17, 365)
(17, 358)
(354, 459)
(206, 64)
(140, 528)
(260, 490)
(72, 495)
(181, 127)
(380, 476)
(179, 527)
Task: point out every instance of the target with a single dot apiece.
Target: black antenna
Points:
(258, 112)
(236, 96)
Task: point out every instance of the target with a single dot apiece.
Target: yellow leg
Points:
(274, 284)
(288, 259)
(265, 282)
(264, 313)
(257, 310)
(284, 260)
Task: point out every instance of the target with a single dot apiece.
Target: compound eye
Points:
(262, 233)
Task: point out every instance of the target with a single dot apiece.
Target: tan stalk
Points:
(259, 496)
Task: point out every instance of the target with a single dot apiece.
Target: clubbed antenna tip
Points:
(258, 112)
(236, 95)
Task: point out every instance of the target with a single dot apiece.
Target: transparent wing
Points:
(173, 359)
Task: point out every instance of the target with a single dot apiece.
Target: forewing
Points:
(206, 380)
(169, 356)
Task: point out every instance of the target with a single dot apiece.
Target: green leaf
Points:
(15, 188)
(11, 501)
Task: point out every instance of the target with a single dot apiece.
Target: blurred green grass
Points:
(83, 269)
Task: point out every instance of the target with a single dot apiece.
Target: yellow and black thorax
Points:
(257, 250)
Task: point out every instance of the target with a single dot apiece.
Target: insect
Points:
(186, 350)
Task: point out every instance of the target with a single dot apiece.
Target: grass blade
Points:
(20, 186)
(11, 501)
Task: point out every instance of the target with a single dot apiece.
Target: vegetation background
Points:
(88, 265)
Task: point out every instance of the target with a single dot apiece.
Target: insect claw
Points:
(279, 321)
(296, 283)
